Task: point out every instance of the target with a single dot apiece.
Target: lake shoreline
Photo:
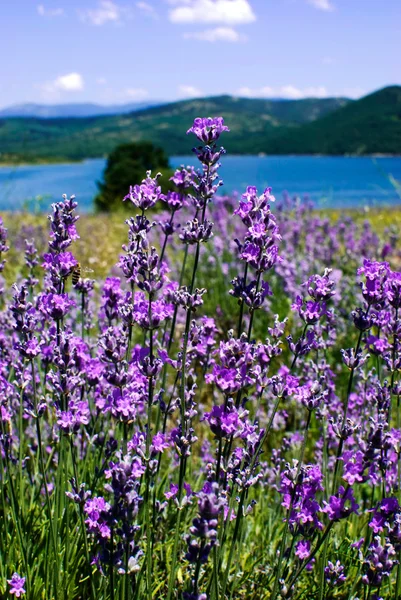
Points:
(45, 163)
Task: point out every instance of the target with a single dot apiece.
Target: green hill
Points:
(252, 122)
(330, 125)
(370, 125)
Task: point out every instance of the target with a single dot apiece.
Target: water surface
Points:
(342, 182)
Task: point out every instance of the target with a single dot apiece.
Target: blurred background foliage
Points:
(126, 166)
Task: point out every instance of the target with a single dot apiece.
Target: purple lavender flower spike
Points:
(379, 562)
(208, 130)
(341, 505)
(303, 549)
(16, 584)
(55, 306)
(145, 195)
(334, 573)
(204, 527)
(62, 224)
(384, 514)
(376, 275)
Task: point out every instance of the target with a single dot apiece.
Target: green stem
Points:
(233, 541)
(311, 557)
(197, 568)
(82, 519)
(83, 315)
(111, 566)
(148, 504)
(241, 310)
(223, 530)
(14, 509)
(286, 525)
(171, 583)
(344, 419)
(296, 355)
(252, 312)
(43, 473)
(322, 585)
(166, 239)
(174, 319)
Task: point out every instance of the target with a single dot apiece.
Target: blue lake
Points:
(342, 182)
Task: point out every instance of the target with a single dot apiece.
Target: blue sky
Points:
(116, 51)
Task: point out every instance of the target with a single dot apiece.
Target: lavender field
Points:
(209, 412)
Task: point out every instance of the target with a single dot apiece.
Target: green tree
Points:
(126, 166)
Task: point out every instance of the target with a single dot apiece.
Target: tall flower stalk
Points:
(196, 232)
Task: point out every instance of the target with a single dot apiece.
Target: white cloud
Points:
(286, 91)
(190, 91)
(106, 12)
(147, 9)
(72, 82)
(264, 92)
(101, 81)
(325, 5)
(230, 12)
(293, 93)
(219, 34)
(49, 12)
(136, 93)
(354, 92)
(290, 91)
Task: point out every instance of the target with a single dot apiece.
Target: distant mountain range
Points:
(310, 126)
(74, 110)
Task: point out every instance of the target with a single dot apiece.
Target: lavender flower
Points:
(379, 562)
(145, 195)
(208, 130)
(62, 224)
(16, 584)
(334, 573)
(376, 274)
(204, 527)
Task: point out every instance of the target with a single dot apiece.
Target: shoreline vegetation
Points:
(66, 161)
(42, 162)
